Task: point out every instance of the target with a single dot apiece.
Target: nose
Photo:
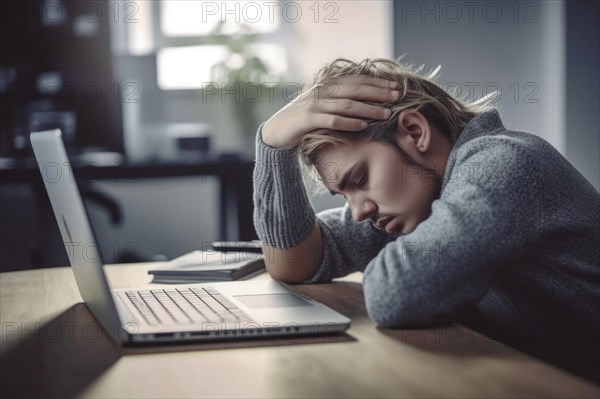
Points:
(362, 209)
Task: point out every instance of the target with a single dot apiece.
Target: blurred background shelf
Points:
(112, 192)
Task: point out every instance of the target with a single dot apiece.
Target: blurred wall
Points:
(541, 55)
(583, 88)
(168, 217)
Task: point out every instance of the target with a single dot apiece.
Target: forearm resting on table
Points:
(297, 263)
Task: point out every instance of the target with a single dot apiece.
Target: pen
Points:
(239, 246)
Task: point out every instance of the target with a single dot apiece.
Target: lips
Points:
(381, 223)
(394, 225)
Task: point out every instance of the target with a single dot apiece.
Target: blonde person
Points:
(450, 216)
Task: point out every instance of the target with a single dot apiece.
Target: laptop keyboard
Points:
(186, 306)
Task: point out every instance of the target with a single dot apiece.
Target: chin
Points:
(400, 231)
(404, 229)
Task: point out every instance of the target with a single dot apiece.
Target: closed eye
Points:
(363, 180)
(359, 184)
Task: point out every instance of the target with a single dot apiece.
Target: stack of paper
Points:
(201, 266)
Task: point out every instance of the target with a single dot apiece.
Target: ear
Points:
(413, 132)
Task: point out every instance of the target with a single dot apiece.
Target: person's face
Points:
(381, 186)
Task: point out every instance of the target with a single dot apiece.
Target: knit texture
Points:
(511, 247)
(283, 215)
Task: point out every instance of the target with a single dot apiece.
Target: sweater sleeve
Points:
(283, 216)
(348, 246)
(487, 212)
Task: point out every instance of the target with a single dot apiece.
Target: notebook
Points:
(207, 266)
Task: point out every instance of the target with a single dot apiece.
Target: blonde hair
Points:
(444, 110)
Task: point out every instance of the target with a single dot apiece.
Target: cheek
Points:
(394, 189)
(421, 195)
(400, 188)
(416, 192)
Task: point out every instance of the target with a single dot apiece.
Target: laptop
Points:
(170, 313)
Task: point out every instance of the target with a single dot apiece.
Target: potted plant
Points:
(242, 71)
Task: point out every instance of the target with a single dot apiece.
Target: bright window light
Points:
(140, 37)
(187, 68)
(198, 18)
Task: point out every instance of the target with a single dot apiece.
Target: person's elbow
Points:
(386, 313)
(287, 276)
(392, 306)
(282, 267)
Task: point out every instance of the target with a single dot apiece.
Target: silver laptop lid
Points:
(77, 234)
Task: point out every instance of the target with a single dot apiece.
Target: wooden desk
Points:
(51, 346)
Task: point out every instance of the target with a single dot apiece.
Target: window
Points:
(199, 18)
(180, 33)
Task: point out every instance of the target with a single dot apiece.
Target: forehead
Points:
(335, 161)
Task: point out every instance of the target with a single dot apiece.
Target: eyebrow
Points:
(344, 180)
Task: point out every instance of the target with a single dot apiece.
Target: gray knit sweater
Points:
(511, 248)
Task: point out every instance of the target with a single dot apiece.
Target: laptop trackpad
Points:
(271, 300)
